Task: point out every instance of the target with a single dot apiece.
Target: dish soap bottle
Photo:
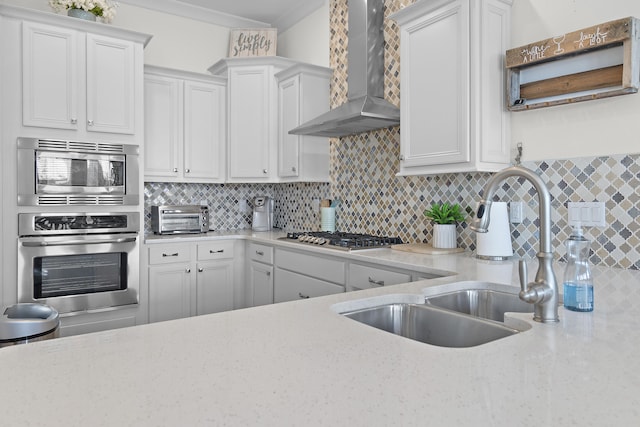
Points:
(578, 283)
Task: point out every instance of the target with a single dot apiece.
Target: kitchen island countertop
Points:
(301, 363)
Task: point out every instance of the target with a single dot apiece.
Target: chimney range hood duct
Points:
(366, 108)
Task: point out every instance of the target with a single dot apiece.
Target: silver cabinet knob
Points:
(264, 171)
(401, 156)
(293, 169)
(200, 269)
(188, 270)
(90, 122)
(268, 273)
(187, 170)
(175, 169)
(74, 121)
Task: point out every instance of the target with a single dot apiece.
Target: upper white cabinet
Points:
(185, 126)
(67, 78)
(303, 94)
(77, 80)
(266, 98)
(454, 116)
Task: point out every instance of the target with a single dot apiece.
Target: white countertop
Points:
(300, 363)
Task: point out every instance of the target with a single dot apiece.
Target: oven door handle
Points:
(42, 243)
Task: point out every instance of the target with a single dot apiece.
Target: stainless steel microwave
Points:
(59, 172)
(179, 219)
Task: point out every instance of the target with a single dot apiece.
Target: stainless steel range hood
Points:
(366, 108)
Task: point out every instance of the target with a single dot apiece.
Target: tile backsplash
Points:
(375, 200)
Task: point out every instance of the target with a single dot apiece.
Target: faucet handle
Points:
(523, 271)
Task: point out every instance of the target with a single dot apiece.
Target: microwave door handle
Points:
(79, 242)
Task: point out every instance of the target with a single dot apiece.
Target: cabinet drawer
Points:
(170, 253)
(290, 286)
(312, 265)
(262, 253)
(363, 277)
(215, 250)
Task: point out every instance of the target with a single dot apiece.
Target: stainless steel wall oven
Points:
(79, 261)
(58, 172)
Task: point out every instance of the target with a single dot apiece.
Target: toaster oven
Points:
(180, 219)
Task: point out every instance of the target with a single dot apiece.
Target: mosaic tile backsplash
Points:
(374, 200)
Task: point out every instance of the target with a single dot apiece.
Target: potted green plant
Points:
(444, 217)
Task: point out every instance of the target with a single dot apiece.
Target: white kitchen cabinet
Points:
(252, 111)
(78, 80)
(301, 275)
(303, 94)
(189, 279)
(185, 126)
(454, 116)
(260, 274)
(365, 277)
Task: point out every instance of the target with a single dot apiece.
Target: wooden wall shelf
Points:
(595, 62)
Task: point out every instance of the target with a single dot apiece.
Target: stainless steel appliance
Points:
(180, 219)
(58, 172)
(341, 240)
(78, 261)
(262, 213)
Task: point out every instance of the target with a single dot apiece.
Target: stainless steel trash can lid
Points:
(26, 320)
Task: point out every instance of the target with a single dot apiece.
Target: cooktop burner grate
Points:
(343, 240)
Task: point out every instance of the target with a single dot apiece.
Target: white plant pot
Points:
(444, 236)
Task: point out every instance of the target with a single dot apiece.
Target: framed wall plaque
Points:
(252, 42)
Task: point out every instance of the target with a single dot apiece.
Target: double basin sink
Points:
(463, 314)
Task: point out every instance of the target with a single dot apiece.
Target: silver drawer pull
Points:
(211, 251)
(200, 269)
(376, 282)
(303, 296)
(173, 254)
(260, 253)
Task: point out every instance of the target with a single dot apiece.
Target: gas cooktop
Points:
(341, 240)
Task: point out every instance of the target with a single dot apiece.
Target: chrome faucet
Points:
(543, 291)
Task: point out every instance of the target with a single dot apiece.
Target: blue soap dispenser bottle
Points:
(577, 281)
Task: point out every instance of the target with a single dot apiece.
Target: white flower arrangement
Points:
(105, 9)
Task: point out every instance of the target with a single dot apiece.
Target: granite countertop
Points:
(300, 363)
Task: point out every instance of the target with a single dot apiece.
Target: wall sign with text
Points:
(252, 42)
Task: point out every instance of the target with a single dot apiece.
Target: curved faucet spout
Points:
(543, 291)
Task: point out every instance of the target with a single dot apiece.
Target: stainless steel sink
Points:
(431, 325)
(485, 303)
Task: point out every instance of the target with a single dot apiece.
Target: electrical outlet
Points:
(242, 205)
(315, 205)
(515, 212)
(587, 214)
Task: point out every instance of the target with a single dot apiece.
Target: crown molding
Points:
(198, 13)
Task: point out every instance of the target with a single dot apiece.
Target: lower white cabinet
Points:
(365, 277)
(300, 275)
(260, 274)
(189, 279)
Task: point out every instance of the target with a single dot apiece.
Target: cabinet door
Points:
(364, 277)
(162, 126)
(249, 123)
(260, 284)
(214, 287)
(50, 76)
(110, 85)
(435, 74)
(290, 286)
(169, 292)
(204, 131)
(289, 112)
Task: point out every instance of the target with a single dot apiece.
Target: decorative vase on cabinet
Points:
(454, 116)
(81, 14)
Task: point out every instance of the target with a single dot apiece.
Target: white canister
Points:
(328, 219)
(495, 244)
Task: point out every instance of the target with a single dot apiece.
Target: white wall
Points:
(591, 128)
(308, 40)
